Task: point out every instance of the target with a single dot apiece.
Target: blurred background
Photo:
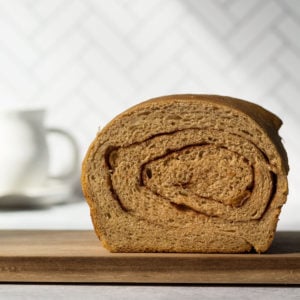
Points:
(86, 61)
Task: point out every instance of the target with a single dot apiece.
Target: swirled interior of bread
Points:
(187, 173)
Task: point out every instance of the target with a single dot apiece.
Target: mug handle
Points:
(72, 172)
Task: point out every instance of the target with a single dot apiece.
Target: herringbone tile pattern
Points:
(88, 60)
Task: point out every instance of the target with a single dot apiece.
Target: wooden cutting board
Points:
(77, 256)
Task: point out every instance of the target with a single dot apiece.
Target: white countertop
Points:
(151, 292)
(73, 215)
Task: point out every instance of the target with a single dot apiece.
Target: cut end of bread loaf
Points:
(187, 173)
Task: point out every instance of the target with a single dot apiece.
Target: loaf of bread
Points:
(187, 173)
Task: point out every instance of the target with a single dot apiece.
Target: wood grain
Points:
(77, 256)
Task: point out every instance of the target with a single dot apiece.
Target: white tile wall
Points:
(88, 60)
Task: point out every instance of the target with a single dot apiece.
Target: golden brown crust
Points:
(111, 137)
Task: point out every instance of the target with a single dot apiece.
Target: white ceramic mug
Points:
(24, 153)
